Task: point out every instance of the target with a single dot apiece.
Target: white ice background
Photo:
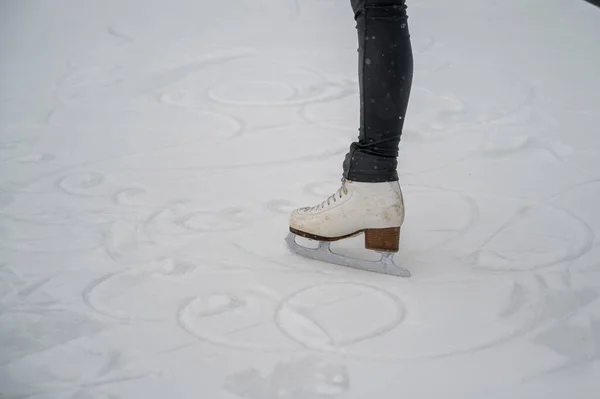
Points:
(151, 151)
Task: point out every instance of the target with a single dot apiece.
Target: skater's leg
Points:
(370, 199)
(385, 79)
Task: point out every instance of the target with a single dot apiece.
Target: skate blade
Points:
(323, 253)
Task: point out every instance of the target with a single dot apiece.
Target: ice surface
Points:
(151, 151)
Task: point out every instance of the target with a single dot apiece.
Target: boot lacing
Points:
(343, 190)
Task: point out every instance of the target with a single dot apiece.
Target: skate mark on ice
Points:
(578, 345)
(245, 93)
(543, 246)
(424, 44)
(240, 146)
(528, 98)
(434, 56)
(279, 91)
(35, 237)
(517, 299)
(35, 158)
(281, 206)
(507, 140)
(173, 131)
(87, 297)
(511, 95)
(582, 200)
(564, 304)
(587, 266)
(9, 279)
(112, 31)
(439, 338)
(569, 189)
(185, 219)
(12, 150)
(115, 82)
(166, 268)
(332, 114)
(586, 269)
(10, 145)
(226, 126)
(431, 225)
(322, 113)
(7, 196)
(66, 172)
(79, 184)
(129, 197)
(126, 243)
(426, 150)
(278, 266)
(530, 323)
(124, 295)
(18, 293)
(311, 377)
(510, 139)
(215, 304)
(87, 365)
(564, 334)
(130, 244)
(304, 319)
(48, 327)
(284, 136)
(559, 279)
(334, 119)
(436, 64)
(436, 115)
(284, 266)
(92, 394)
(60, 213)
(241, 321)
(584, 160)
(65, 387)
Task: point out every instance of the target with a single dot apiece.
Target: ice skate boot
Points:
(375, 209)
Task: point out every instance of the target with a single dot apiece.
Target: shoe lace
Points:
(343, 190)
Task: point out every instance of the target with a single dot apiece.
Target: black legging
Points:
(385, 78)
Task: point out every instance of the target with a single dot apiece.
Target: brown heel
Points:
(385, 240)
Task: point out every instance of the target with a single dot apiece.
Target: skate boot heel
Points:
(383, 240)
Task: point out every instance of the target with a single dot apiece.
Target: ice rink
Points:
(151, 152)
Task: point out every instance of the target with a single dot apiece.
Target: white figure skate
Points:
(375, 209)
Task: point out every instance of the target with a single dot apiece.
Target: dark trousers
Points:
(385, 71)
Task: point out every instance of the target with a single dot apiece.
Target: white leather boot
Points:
(377, 209)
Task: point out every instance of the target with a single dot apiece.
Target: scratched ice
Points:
(151, 151)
